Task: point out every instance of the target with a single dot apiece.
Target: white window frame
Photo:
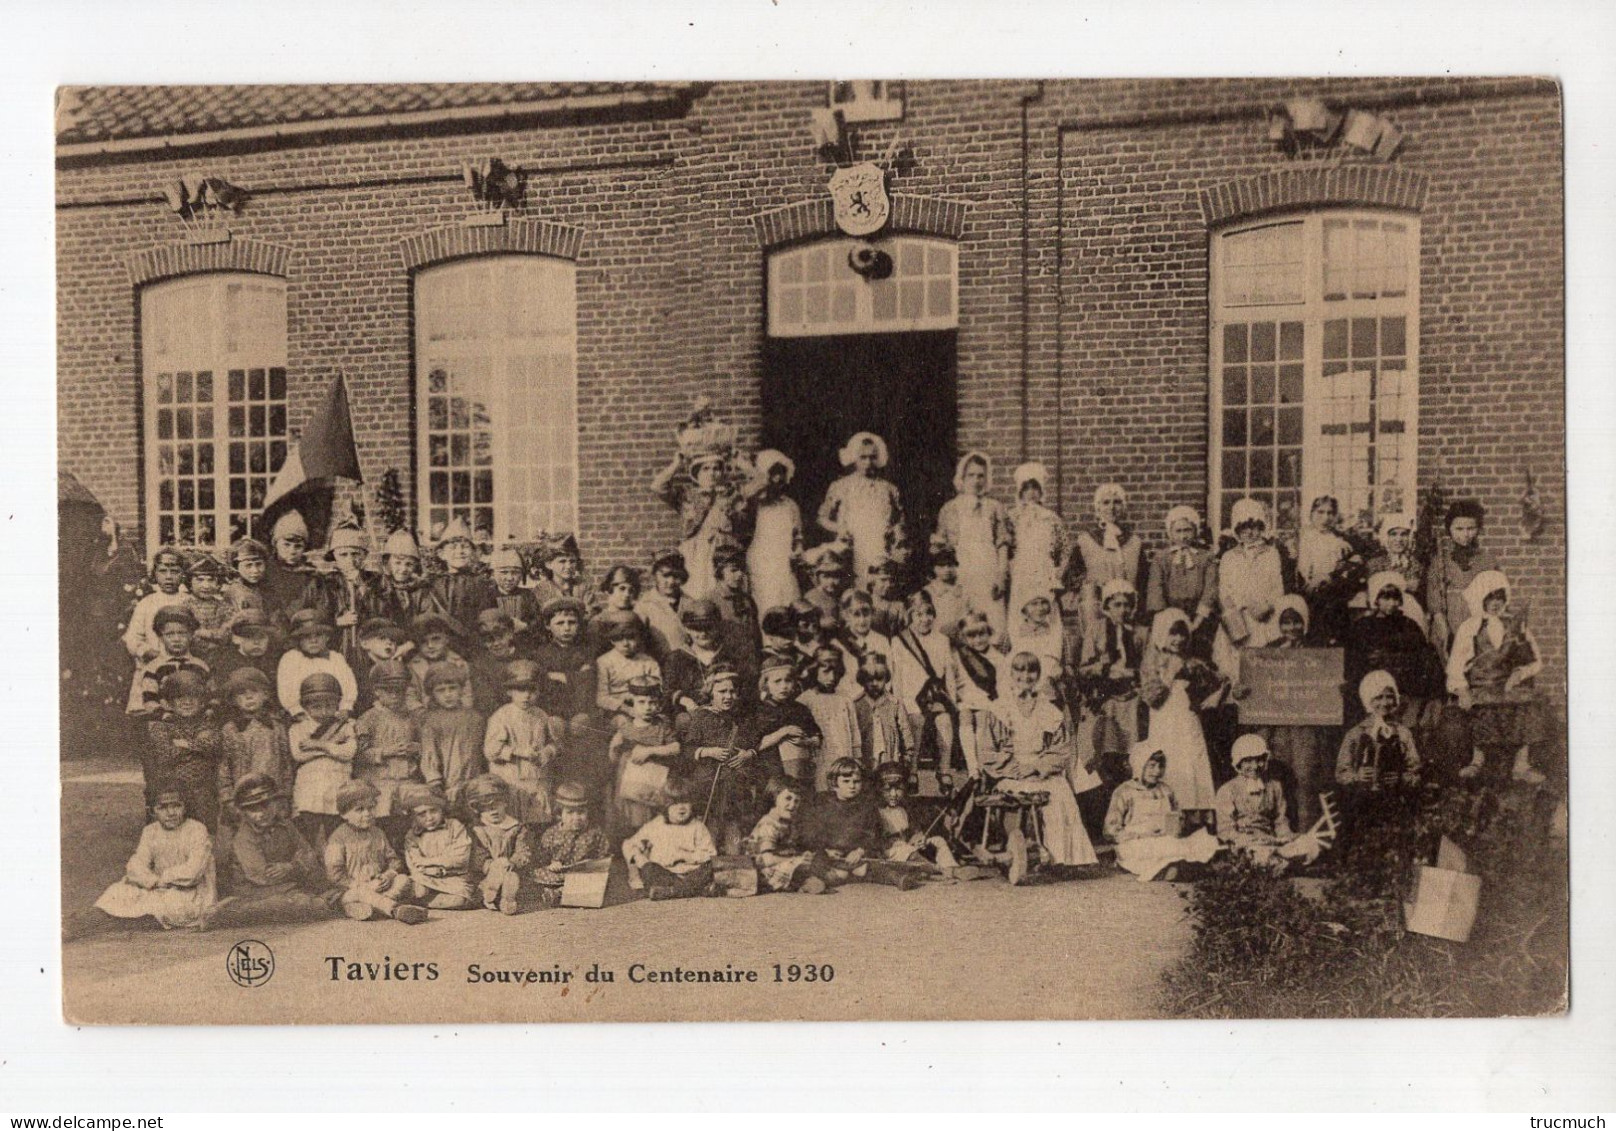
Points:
(487, 321)
(814, 292)
(225, 331)
(1313, 309)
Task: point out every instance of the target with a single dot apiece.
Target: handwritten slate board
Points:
(1291, 686)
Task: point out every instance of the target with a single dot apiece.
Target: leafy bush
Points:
(1267, 946)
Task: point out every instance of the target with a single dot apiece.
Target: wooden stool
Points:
(1011, 810)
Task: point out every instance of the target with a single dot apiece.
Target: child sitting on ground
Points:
(843, 826)
(451, 733)
(323, 746)
(573, 839)
(183, 747)
(170, 878)
(1252, 817)
(1145, 822)
(501, 845)
(520, 744)
(905, 843)
(783, 863)
(673, 851)
(884, 732)
(275, 875)
(438, 851)
(362, 863)
(643, 750)
(387, 751)
(173, 627)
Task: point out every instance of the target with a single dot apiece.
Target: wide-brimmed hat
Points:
(571, 795)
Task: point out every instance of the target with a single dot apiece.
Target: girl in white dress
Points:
(861, 508)
(977, 528)
(170, 877)
(1171, 685)
(776, 544)
(1039, 547)
(1144, 820)
(1031, 753)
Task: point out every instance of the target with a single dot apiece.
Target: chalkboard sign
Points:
(1291, 686)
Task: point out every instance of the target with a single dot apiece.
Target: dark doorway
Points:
(818, 391)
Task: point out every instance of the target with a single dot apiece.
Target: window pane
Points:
(255, 384)
(1290, 425)
(1262, 427)
(1363, 337)
(1234, 385)
(1234, 342)
(1234, 469)
(1290, 384)
(1262, 341)
(1262, 384)
(1262, 468)
(277, 384)
(1392, 337)
(1234, 428)
(1290, 341)
(1335, 338)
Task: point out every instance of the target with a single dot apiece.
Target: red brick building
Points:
(1198, 289)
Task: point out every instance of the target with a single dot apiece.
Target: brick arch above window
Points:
(530, 237)
(810, 219)
(172, 260)
(1338, 185)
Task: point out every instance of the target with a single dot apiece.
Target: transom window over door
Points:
(496, 396)
(1314, 356)
(213, 362)
(814, 292)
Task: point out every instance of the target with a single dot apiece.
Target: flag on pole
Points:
(323, 453)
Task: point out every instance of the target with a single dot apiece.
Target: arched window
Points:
(813, 291)
(213, 360)
(497, 396)
(1315, 363)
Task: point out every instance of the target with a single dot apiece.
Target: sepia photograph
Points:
(815, 549)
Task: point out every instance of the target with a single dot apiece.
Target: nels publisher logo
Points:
(250, 963)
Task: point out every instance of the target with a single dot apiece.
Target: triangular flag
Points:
(325, 451)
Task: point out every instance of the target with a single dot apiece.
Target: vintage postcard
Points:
(835, 550)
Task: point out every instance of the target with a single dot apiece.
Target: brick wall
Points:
(1082, 331)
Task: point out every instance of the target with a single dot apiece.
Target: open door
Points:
(859, 352)
(819, 391)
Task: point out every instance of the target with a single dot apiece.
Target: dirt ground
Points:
(1091, 948)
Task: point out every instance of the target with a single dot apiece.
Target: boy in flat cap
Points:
(275, 876)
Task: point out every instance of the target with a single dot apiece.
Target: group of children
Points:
(457, 737)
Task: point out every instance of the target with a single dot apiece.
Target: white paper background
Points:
(1542, 1066)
